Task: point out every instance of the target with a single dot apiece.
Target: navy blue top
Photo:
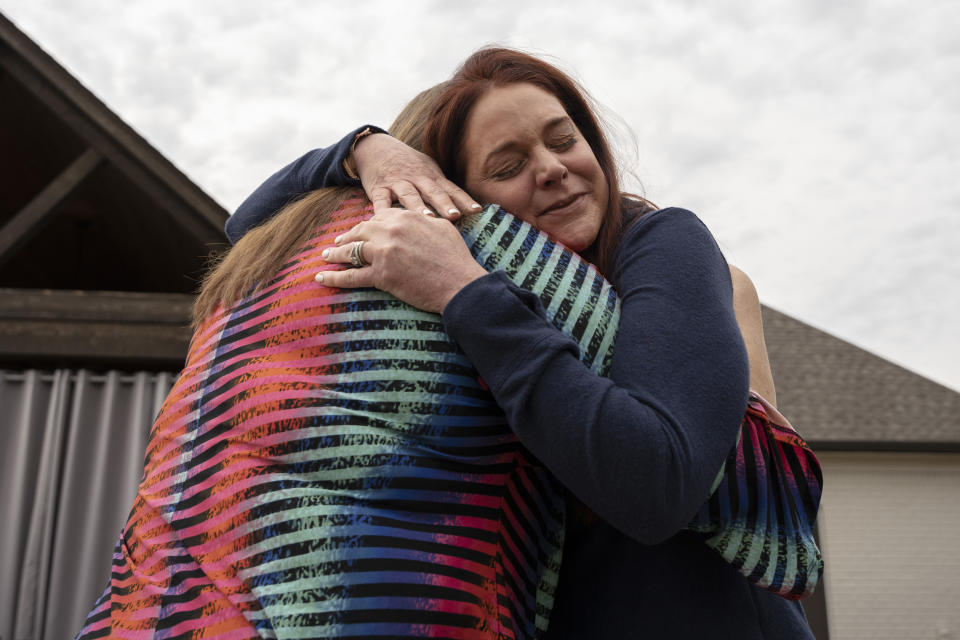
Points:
(640, 448)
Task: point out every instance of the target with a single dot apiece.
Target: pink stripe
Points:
(208, 620)
(299, 283)
(99, 624)
(336, 227)
(313, 342)
(219, 498)
(311, 323)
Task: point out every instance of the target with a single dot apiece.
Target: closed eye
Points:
(508, 171)
(563, 143)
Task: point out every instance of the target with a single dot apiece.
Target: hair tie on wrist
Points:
(349, 164)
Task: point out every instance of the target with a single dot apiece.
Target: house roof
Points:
(840, 396)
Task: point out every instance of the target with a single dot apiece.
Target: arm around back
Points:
(314, 170)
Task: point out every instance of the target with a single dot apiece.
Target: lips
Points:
(563, 205)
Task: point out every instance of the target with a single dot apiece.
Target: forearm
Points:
(643, 446)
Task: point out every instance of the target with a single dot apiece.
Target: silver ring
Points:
(356, 255)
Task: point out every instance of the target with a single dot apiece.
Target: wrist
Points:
(350, 162)
(466, 278)
(355, 159)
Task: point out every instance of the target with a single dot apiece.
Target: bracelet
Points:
(349, 164)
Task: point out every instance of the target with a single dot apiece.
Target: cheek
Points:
(508, 196)
(600, 187)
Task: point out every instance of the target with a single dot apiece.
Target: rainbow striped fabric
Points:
(329, 465)
(763, 506)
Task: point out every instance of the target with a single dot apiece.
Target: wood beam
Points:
(134, 330)
(27, 222)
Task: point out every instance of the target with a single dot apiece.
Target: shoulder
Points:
(744, 291)
(669, 219)
(672, 234)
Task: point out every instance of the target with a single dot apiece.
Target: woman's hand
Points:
(393, 172)
(418, 258)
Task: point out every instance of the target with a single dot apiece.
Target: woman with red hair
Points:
(639, 446)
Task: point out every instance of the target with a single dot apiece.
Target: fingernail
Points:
(453, 212)
(475, 206)
(337, 239)
(427, 212)
(318, 277)
(325, 253)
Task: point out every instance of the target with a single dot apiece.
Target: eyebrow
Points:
(506, 146)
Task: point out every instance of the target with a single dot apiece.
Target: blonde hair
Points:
(263, 251)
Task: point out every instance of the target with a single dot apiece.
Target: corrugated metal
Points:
(890, 532)
(71, 461)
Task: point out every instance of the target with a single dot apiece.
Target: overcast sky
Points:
(819, 140)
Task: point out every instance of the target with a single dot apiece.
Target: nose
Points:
(551, 170)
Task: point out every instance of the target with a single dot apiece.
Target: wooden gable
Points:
(102, 239)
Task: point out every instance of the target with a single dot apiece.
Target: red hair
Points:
(494, 67)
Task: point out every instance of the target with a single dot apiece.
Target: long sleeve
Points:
(642, 447)
(314, 170)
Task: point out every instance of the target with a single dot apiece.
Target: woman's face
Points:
(524, 153)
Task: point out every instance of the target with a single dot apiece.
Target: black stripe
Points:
(97, 617)
(750, 479)
(583, 318)
(534, 523)
(596, 288)
(529, 557)
(99, 633)
(516, 622)
(505, 551)
(171, 619)
(341, 519)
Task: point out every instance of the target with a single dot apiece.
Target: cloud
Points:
(818, 139)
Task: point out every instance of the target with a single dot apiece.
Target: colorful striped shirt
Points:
(330, 465)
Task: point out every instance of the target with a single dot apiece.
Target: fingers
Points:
(409, 197)
(405, 193)
(462, 200)
(356, 232)
(346, 278)
(447, 199)
(352, 252)
(436, 196)
(391, 172)
(382, 198)
(426, 196)
(355, 253)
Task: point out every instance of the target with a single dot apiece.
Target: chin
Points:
(577, 246)
(579, 240)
